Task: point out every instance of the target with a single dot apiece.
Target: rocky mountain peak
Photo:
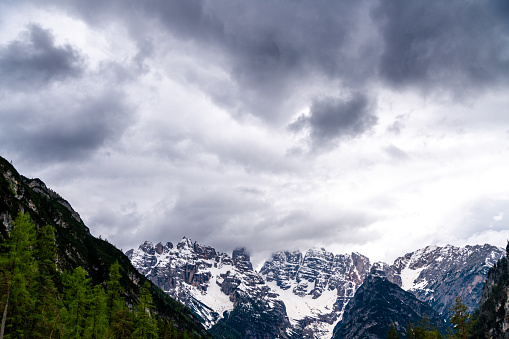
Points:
(147, 247)
(383, 303)
(309, 289)
(438, 274)
(242, 259)
(185, 243)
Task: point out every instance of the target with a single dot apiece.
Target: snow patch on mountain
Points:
(409, 277)
(307, 292)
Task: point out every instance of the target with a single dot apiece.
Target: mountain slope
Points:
(491, 320)
(75, 245)
(438, 275)
(225, 292)
(309, 289)
(315, 286)
(377, 304)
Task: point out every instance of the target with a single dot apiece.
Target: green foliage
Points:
(145, 324)
(36, 308)
(97, 320)
(19, 271)
(460, 319)
(393, 333)
(422, 331)
(76, 300)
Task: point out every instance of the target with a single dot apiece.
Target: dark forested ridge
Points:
(377, 304)
(52, 268)
(491, 320)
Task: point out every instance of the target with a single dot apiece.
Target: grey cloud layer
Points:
(331, 119)
(273, 50)
(52, 107)
(444, 44)
(309, 67)
(35, 60)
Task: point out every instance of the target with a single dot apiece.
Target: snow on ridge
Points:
(298, 308)
(409, 276)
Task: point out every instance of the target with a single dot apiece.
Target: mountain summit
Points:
(305, 294)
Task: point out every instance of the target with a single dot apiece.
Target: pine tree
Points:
(145, 324)
(19, 269)
(119, 318)
(460, 319)
(393, 333)
(76, 299)
(49, 304)
(97, 322)
(410, 331)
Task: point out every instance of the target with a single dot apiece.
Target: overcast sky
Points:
(371, 126)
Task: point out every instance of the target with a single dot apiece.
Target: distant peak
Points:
(147, 247)
(185, 243)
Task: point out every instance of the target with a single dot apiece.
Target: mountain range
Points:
(305, 294)
(311, 294)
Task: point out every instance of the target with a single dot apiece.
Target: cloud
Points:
(35, 60)
(58, 130)
(457, 46)
(180, 111)
(332, 119)
(396, 153)
(269, 53)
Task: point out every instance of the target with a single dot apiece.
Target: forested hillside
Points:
(491, 320)
(57, 280)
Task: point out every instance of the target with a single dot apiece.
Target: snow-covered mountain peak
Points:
(306, 293)
(438, 274)
(185, 243)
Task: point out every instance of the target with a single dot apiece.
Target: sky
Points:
(377, 127)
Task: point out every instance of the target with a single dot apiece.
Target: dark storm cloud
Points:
(440, 45)
(331, 119)
(35, 60)
(63, 130)
(270, 48)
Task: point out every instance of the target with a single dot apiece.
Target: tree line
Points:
(38, 300)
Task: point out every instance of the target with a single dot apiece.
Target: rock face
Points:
(492, 318)
(379, 303)
(303, 295)
(315, 287)
(220, 289)
(438, 275)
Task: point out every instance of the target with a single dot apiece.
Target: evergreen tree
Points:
(410, 331)
(393, 333)
(145, 324)
(460, 319)
(76, 299)
(119, 318)
(49, 304)
(18, 274)
(97, 322)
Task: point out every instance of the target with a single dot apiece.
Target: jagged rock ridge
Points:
(438, 275)
(310, 290)
(315, 286)
(215, 286)
(379, 303)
